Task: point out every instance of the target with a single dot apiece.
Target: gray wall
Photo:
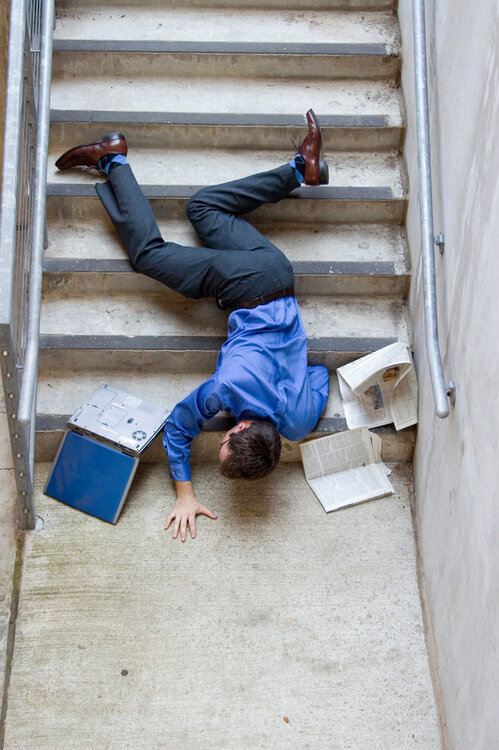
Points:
(457, 459)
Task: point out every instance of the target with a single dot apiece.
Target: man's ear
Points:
(244, 424)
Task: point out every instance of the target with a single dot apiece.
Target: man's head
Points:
(250, 450)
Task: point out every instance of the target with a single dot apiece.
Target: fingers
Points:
(192, 525)
(176, 527)
(206, 512)
(180, 521)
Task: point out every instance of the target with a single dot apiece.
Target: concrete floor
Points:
(278, 627)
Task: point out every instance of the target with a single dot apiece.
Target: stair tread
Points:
(74, 89)
(60, 392)
(211, 166)
(230, 24)
(92, 237)
(166, 313)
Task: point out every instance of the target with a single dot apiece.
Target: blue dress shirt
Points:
(261, 373)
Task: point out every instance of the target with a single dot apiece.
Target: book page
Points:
(369, 409)
(339, 452)
(404, 404)
(351, 487)
(391, 395)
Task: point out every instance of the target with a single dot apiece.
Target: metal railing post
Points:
(22, 228)
(28, 388)
(441, 390)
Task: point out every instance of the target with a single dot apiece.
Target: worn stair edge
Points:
(216, 118)
(179, 353)
(396, 446)
(57, 422)
(304, 268)
(332, 204)
(319, 277)
(336, 49)
(341, 132)
(196, 343)
(367, 5)
(336, 193)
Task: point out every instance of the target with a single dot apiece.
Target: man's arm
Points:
(319, 383)
(184, 424)
(185, 511)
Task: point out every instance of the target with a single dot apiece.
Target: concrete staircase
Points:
(280, 627)
(206, 94)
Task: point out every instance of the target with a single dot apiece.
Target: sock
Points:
(110, 161)
(298, 164)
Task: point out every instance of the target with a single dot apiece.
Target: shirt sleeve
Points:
(186, 422)
(319, 383)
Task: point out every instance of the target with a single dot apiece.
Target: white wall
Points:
(457, 459)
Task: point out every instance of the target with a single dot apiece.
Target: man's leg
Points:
(185, 269)
(214, 211)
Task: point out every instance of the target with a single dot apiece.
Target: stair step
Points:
(317, 204)
(209, 166)
(182, 353)
(61, 393)
(71, 308)
(220, 92)
(319, 277)
(82, 230)
(166, 130)
(397, 446)
(114, 59)
(233, 22)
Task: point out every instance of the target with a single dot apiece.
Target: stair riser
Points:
(218, 133)
(82, 284)
(108, 361)
(191, 66)
(396, 447)
(337, 211)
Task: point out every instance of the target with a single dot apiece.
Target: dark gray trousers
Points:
(238, 262)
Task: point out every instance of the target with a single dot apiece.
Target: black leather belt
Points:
(264, 298)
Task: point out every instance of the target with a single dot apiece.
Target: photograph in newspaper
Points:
(380, 388)
(346, 468)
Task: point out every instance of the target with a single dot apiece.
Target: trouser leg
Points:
(187, 270)
(214, 211)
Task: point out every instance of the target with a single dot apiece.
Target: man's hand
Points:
(185, 511)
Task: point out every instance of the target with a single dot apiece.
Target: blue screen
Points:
(91, 477)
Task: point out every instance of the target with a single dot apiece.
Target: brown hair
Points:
(254, 452)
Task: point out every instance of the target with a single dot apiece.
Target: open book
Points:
(345, 468)
(380, 388)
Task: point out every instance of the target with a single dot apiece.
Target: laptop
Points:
(100, 451)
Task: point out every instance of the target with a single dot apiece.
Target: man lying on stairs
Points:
(262, 378)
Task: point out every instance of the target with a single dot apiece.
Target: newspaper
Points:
(345, 468)
(380, 388)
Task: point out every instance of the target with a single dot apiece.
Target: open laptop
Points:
(99, 453)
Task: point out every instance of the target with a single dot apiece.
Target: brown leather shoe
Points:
(90, 154)
(316, 169)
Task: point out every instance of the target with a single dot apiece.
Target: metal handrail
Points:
(441, 391)
(27, 400)
(23, 221)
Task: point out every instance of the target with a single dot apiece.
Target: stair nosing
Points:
(339, 193)
(325, 344)
(57, 423)
(217, 118)
(333, 49)
(301, 268)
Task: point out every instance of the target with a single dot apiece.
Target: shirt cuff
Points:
(181, 473)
